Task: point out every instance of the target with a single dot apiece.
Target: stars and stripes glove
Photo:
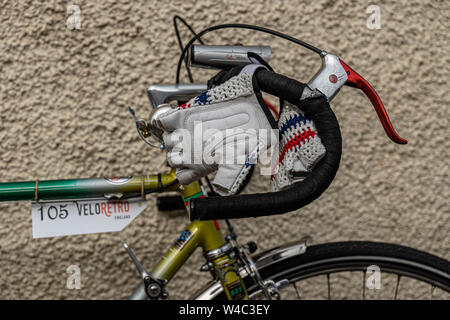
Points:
(300, 148)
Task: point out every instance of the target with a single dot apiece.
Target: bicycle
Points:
(237, 273)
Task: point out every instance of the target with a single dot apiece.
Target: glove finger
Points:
(186, 176)
(172, 120)
(192, 173)
(173, 140)
(177, 159)
(229, 177)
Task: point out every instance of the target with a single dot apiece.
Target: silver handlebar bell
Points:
(219, 57)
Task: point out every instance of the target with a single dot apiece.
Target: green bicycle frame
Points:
(204, 234)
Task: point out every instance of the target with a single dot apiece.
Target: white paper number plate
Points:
(52, 219)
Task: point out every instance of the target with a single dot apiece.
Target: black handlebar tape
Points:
(170, 203)
(279, 85)
(298, 195)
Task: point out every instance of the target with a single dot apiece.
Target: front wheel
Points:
(359, 270)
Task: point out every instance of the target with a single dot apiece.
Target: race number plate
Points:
(52, 219)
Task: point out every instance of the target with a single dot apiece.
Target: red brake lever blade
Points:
(356, 81)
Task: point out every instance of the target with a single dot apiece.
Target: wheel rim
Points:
(389, 265)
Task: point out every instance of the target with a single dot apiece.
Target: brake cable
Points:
(180, 42)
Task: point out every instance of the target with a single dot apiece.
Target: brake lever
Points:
(334, 74)
(356, 81)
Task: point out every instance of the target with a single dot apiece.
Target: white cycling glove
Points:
(224, 129)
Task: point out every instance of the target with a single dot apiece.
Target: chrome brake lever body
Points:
(330, 78)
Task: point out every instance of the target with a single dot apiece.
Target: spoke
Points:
(296, 290)
(364, 285)
(432, 292)
(329, 287)
(396, 287)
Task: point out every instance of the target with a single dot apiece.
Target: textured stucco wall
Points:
(63, 98)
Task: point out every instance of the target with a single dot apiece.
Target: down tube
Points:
(195, 235)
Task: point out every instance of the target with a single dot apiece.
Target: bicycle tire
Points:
(357, 255)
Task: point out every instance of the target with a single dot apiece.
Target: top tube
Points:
(109, 188)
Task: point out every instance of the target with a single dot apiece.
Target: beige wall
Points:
(63, 99)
